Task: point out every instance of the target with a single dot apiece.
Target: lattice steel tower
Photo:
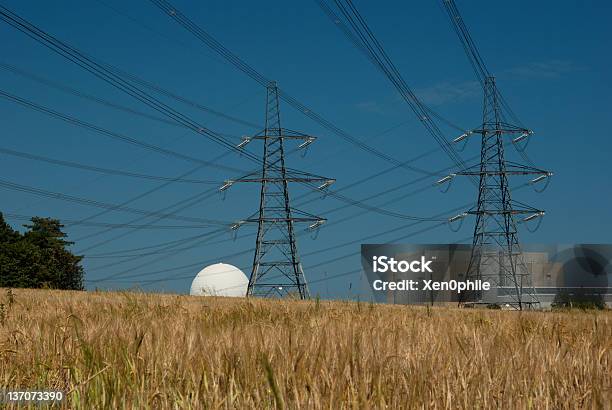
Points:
(496, 254)
(277, 270)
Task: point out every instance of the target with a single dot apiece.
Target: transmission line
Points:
(73, 91)
(90, 202)
(235, 60)
(107, 171)
(363, 37)
(70, 222)
(112, 78)
(102, 131)
(119, 82)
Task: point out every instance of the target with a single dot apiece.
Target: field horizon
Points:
(144, 350)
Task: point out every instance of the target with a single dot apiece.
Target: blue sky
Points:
(551, 60)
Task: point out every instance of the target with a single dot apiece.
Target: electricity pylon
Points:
(496, 253)
(277, 270)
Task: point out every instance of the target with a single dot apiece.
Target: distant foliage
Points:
(579, 300)
(39, 258)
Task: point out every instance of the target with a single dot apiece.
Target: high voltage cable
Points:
(90, 202)
(115, 135)
(379, 174)
(199, 239)
(70, 222)
(375, 175)
(335, 222)
(123, 253)
(113, 79)
(184, 204)
(477, 62)
(106, 278)
(108, 133)
(387, 191)
(181, 267)
(101, 170)
(146, 193)
(117, 81)
(435, 218)
(361, 47)
(208, 237)
(73, 91)
(377, 54)
(323, 250)
(471, 51)
(179, 98)
(370, 45)
(215, 45)
(192, 246)
(332, 210)
(368, 237)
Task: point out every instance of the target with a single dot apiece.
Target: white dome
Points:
(219, 279)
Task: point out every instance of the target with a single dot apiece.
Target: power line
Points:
(119, 82)
(235, 60)
(367, 52)
(102, 131)
(102, 170)
(73, 91)
(364, 36)
(157, 88)
(90, 202)
(207, 237)
(332, 210)
(371, 208)
(471, 51)
(405, 236)
(70, 222)
(367, 43)
(184, 204)
(367, 237)
(97, 69)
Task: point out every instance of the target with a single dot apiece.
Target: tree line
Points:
(39, 257)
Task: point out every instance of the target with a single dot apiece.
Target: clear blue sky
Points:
(551, 60)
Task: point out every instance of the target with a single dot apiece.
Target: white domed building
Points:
(220, 279)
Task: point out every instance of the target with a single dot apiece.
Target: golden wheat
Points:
(136, 350)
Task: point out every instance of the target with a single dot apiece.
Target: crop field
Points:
(136, 350)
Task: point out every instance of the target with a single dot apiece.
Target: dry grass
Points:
(128, 350)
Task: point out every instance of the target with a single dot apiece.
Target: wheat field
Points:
(140, 351)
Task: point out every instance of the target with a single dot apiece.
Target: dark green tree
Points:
(7, 234)
(39, 258)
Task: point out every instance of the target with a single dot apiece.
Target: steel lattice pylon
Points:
(496, 253)
(277, 270)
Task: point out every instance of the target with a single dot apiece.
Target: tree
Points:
(7, 234)
(39, 258)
